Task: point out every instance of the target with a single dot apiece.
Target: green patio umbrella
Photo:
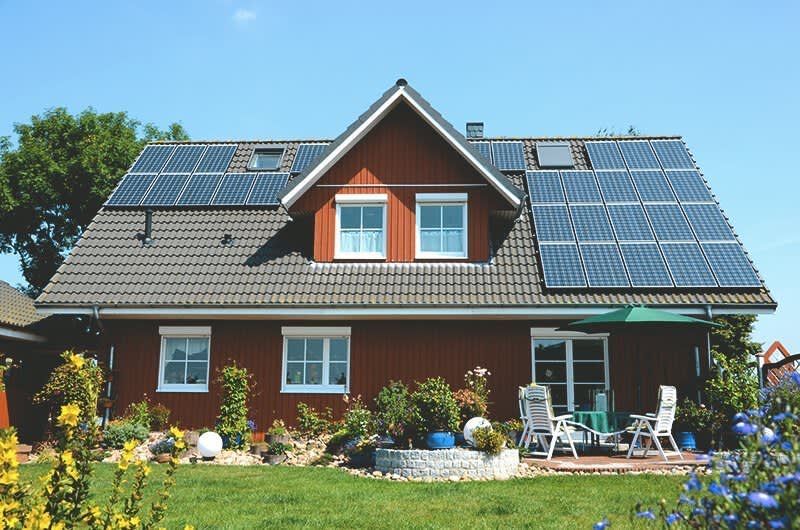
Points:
(636, 318)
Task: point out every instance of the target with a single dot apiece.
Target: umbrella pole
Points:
(638, 376)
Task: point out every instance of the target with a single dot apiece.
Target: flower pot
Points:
(686, 440)
(232, 441)
(272, 459)
(460, 441)
(278, 438)
(440, 440)
(163, 458)
(258, 448)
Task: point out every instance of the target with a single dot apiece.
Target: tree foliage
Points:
(56, 177)
(733, 339)
(630, 131)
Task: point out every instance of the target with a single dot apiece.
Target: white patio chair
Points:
(541, 423)
(653, 426)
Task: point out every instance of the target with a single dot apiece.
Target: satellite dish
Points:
(473, 424)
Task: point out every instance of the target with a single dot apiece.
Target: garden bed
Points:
(447, 463)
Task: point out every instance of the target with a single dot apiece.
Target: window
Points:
(573, 365)
(361, 226)
(316, 360)
(441, 225)
(185, 354)
(266, 158)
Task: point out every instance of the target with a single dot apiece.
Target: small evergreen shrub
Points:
(489, 440)
(120, 431)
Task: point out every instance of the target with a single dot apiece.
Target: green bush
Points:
(434, 407)
(312, 423)
(358, 420)
(159, 417)
(120, 431)
(696, 418)
(278, 428)
(393, 411)
(78, 381)
(489, 440)
(232, 419)
(278, 448)
(138, 413)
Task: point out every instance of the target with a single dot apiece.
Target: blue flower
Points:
(779, 523)
(693, 484)
(731, 519)
(753, 524)
(787, 446)
(717, 489)
(762, 500)
(740, 417)
(672, 518)
(685, 500)
(646, 515)
(744, 429)
(795, 377)
(602, 525)
(783, 416)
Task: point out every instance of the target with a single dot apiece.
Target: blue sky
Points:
(722, 74)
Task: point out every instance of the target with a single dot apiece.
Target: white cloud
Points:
(243, 16)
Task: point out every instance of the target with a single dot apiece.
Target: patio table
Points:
(600, 422)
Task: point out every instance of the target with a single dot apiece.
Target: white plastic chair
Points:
(540, 422)
(651, 426)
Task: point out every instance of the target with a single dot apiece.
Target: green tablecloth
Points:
(602, 421)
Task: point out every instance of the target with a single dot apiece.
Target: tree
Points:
(733, 339)
(63, 167)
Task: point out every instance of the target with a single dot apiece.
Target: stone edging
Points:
(447, 463)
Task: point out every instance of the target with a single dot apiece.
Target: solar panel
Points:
(216, 159)
(630, 222)
(485, 149)
(234, 189)
(131, 190)
(184, 159)
(689, 185)
(580, 186)
(730, 265)
(708, 222)
(152, 159)
(199, 190)
(652, 185)
(544, 186)
(645, 265)
(165, 190)
(306, 154)
(638, 155)
(591, 223)
(604, 266)
(266, 188)
(668, 222)
(508, 156)
(687, 264)
(561, 265)
(605, 155)
(616, 186)
(673, 154)
(552, 223)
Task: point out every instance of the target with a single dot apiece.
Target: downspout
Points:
(709, 316)
(107, 411)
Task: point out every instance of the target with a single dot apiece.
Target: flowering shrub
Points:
(477, 381)
(232, 420)
(470, 405)
(756, 486)
(78, 381)
(357, 420)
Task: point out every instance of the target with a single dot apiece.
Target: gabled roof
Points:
(400, 93)
(16, 309)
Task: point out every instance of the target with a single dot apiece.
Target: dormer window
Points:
(441, 225)
(361, 226)
(266, 158)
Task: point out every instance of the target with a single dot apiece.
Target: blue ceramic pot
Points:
(440, 440)
(226, 441)
(686, 440)
(460, 441)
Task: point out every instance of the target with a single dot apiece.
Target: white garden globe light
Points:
(209, 444)
(473, 424)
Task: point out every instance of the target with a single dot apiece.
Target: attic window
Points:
(554, 155)
(266, 158)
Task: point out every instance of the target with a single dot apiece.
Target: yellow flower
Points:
(188, 527)
(129, 446)
(9, 478)
(176, 433)
(180, 445)
(135, 521)
(67, 458)
(69, 415)
(76, 361)
(57, 526)
(123, 464)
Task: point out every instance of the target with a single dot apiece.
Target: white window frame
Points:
(442, 199)
(187, 332)
(568, 337)
(279, 150)
(360, 199)
(327, 333)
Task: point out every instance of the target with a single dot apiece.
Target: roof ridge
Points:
(486, 138)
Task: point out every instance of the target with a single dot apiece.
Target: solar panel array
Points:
(306, 153)
(194, 175)
(643, 217)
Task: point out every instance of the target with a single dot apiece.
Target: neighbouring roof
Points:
(269, 265)
(16, 309)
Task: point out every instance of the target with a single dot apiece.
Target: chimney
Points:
(148, 227)
(474, 129)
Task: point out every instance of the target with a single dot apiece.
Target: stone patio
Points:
(617, 463)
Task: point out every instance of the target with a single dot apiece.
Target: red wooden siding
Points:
(385, 350)
(401, 150)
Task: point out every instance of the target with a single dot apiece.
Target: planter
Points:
(272, 460)
(278, 438)
(258, 448)
(163, 458)
(686, 440)
(440, 440)
(191, 438)
(232, 441)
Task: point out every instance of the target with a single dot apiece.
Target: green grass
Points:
(285, 497)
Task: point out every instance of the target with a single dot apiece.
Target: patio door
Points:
(573, 365)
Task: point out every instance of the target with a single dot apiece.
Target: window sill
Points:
(443, 257)
(359, 257)
(313, 389)
(199, 389)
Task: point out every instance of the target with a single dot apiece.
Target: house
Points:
(776, 362)
(401, 250)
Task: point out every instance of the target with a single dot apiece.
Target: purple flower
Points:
(251, 424)
(602, 525)
(762, 500)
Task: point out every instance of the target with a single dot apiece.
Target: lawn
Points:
(287, 497)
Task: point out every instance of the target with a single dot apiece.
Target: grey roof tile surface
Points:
(16, 309)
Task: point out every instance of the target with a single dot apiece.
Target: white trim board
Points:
(20, 335)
